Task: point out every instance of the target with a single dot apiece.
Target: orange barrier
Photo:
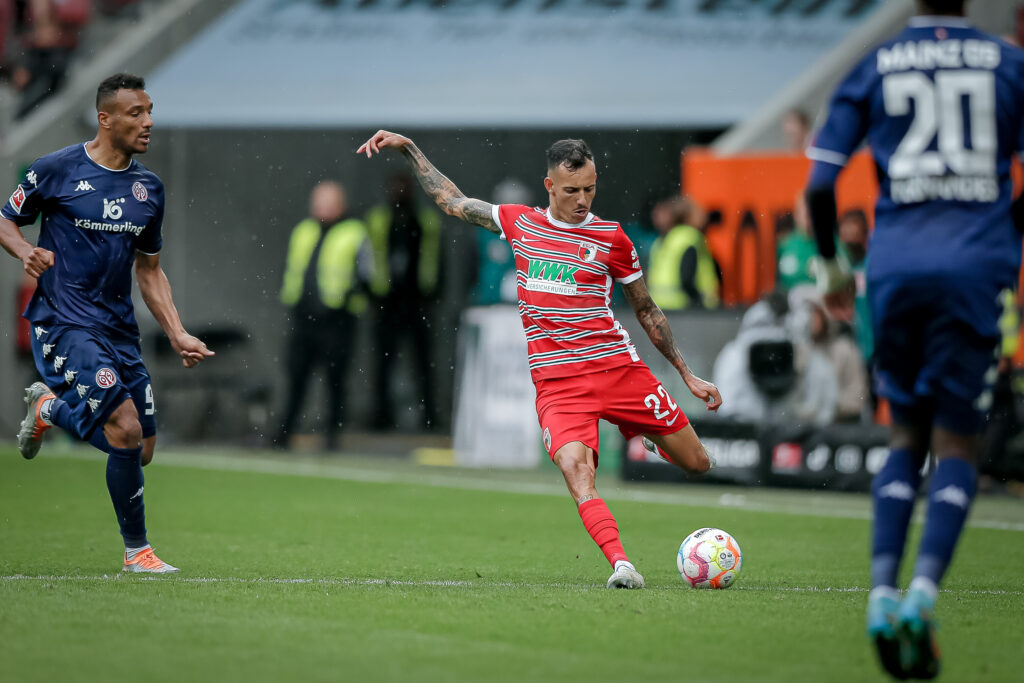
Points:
(751, 192)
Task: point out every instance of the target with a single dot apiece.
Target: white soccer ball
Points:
(709, 558)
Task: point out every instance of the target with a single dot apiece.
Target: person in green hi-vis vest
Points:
(683, 274)
(328, 268)
(407, 256)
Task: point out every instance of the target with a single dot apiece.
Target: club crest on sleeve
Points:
(17, 199)
(139, 190)
(105, 378)
(588, 251)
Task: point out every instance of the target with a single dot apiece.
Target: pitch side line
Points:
(342, 582)
(804, 504)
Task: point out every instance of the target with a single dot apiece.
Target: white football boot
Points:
(625, 576)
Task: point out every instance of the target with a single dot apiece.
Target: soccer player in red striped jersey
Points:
(581, 359)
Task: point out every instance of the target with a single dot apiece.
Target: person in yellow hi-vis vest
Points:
(406, 243)
(682, 272)
(328, 269)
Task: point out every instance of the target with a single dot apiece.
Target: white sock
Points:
(620, 563)
(923, 583)
(130, 553)
(44, 411)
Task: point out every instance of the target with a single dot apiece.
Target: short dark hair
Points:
(944, 6)
(569, 152)
(109, 87)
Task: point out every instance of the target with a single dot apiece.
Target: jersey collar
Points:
(929, 21)
(131, 162)
(566, 226)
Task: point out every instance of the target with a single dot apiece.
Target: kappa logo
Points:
(17, 199)
(46, 349)
(93, 403)
(40, 332)
(900, 490)
(84, 186)
(58, 362)
(954, 495)
(105, 378)
(69, 376)
(588, 251)
(82, 389)
(32, 178)
(139, 191)
(112, 208)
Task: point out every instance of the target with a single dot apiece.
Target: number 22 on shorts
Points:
(654, 403)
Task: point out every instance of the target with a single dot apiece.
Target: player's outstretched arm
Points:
(445, 194)
(156, 292)
(36, 259)
(655, 324)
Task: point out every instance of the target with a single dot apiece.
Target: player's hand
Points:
(838, 289)
(37, 261)
(191, 350)
(381, 140)
(704, 390)
(840, 304)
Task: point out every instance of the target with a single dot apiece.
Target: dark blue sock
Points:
(125, 482)
(950, 494)
(60, 415)
(893, 492)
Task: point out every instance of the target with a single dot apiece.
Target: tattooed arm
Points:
(445, 194)
(656, 326)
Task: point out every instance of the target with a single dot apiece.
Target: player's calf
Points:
(683, 449)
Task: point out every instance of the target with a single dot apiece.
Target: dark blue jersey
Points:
(94, 221)
(942, 107)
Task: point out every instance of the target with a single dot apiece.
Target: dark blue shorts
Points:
(93, 374)
(936, 345)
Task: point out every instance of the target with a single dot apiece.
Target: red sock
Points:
(600, 524)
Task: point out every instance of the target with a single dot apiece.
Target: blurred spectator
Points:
(797, 251)
(328, 266)
(813, 325)
(6, 30)
(682, 273)
(770, 376)
(854, 232)
(407, 252)
(496, 266)
(796, 129)
(50, 39)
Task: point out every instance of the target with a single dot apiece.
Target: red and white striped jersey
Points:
(564, 274)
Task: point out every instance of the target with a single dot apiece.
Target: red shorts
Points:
(629, 397)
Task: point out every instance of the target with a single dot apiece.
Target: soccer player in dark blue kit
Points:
(942, 108)
(101, 214)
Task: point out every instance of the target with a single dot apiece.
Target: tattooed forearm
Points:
(655, 324)
(446, 194)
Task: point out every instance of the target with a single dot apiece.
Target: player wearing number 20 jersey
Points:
(942, 107)
(582, 362)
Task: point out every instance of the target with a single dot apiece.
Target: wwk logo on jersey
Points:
(105, 378)
(112, 208)
(549, 276)
(17, 199)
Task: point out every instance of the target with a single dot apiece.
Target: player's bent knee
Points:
(123, 429)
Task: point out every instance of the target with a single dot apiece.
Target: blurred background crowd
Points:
(337, 291)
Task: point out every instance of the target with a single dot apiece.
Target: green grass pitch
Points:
(356, 569)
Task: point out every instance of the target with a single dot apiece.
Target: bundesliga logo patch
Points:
(139, 190)
(17, 199)
(105, 378)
